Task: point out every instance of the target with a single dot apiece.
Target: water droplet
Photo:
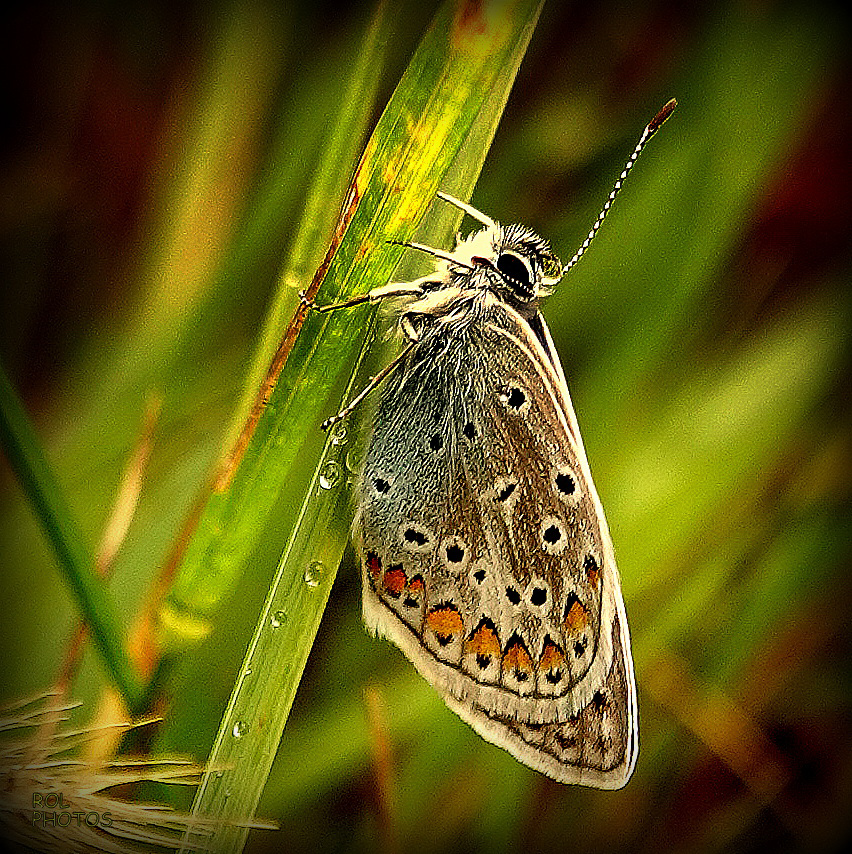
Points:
(314, 573)
(339, 437)
(240, 729)
(329, 474)
(353, 460)
(277, 619)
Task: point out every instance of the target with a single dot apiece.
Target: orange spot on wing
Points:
(394, 581)
(374, 564)
(551, 656)
(517, 657)
(416, 584)
(577, 617)
(593, 570)
(445, 620)
(483, 641)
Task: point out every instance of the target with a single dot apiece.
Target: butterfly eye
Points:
(517, 272)
(551, 268)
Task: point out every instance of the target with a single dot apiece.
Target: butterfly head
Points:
(520, 265)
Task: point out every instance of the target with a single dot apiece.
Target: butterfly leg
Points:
(392, 289)
(468, 209)
(374, 381)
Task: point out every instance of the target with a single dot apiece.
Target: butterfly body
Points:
(485, 552)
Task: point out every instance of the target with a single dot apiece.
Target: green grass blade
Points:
(24, 451)
(452, 93)
(259, 705)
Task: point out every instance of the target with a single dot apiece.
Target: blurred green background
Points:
(154, 164)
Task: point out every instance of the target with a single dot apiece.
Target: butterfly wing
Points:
(595, 747)
(485, 551)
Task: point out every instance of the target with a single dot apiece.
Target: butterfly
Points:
(484, 548)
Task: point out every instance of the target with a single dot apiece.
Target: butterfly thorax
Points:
(511, 263)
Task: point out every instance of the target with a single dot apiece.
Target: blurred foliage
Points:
(154, 169)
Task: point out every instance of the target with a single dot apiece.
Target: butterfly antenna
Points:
(436, 253)
(653, 126)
